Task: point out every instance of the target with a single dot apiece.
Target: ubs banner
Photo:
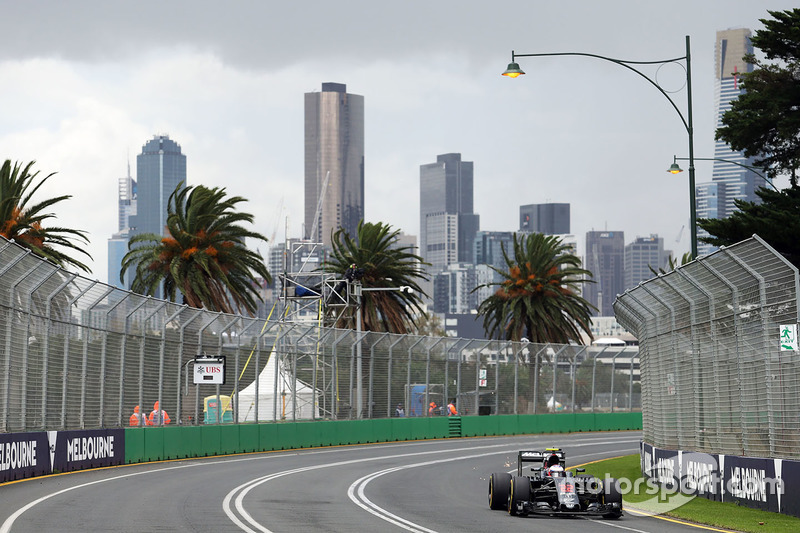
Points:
(34, 454)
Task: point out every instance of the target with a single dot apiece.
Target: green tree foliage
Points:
(672, 264)
(24, 222)
(776, 219)
(538, 298)
(764, 122)
(384, 265)
(203, 256)
(428, 325)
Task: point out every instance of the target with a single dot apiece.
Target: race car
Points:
(543, 486)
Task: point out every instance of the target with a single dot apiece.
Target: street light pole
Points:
(514, 71)
(675, 168)
(359, 377)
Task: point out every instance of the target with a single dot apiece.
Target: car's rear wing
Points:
(530, 456)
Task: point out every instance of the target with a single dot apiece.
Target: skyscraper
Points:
(159, 169)
(452, 289)
(550, 219)
(605, 260)
(733, 182)
(447, 225)
(118, 243)
(640, 256)
(126, 188)
(489, 245)
(334, 158)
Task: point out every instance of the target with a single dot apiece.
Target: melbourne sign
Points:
(77, 450)
(749, 481)
(36, 454)
(23, 455)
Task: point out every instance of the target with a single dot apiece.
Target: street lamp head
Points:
(674, 168)
(406, 289)
(513, 70)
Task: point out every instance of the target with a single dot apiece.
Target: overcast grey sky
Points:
(86, 84)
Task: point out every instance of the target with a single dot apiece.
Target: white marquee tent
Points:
(265, 396)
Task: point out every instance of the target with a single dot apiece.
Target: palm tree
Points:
(538, 298)
(24, 222)
(203, 254)
(381, 264)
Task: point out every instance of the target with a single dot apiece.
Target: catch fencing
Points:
(79, 354)
(715, 378)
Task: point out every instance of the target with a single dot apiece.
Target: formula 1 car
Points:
(543, 486)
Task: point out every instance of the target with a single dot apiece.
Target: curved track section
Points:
(427, 486)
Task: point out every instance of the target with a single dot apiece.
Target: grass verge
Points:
(699, 510)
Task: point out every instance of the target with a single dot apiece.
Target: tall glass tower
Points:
(334, 159)
(447, 225)
(118, 243)
(605, 259)
(732, 181)
(159, 169)
(642, 255)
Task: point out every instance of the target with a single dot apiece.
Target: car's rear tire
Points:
(499, 485)
(611, 495)
(520, 492)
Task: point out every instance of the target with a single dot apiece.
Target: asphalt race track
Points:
(426, 486)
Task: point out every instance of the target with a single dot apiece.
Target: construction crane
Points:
(278, 216)
(314, 233)
(680, 234)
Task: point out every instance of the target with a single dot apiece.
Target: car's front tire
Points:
(499, 485)
(520, 493)
(611, 495)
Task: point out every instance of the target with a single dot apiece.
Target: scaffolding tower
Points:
(310, 297)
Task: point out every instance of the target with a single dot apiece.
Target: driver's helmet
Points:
(551, 461)
(555, 471)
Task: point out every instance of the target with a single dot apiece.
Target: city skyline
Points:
(99, 78)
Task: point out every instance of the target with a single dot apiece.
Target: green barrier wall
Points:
(177, 442)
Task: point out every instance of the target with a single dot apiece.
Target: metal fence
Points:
(714, 376)
(79, 354)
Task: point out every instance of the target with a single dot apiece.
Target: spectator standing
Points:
(451, 408)
(399, 412)
(159, 417)
(138, 418)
